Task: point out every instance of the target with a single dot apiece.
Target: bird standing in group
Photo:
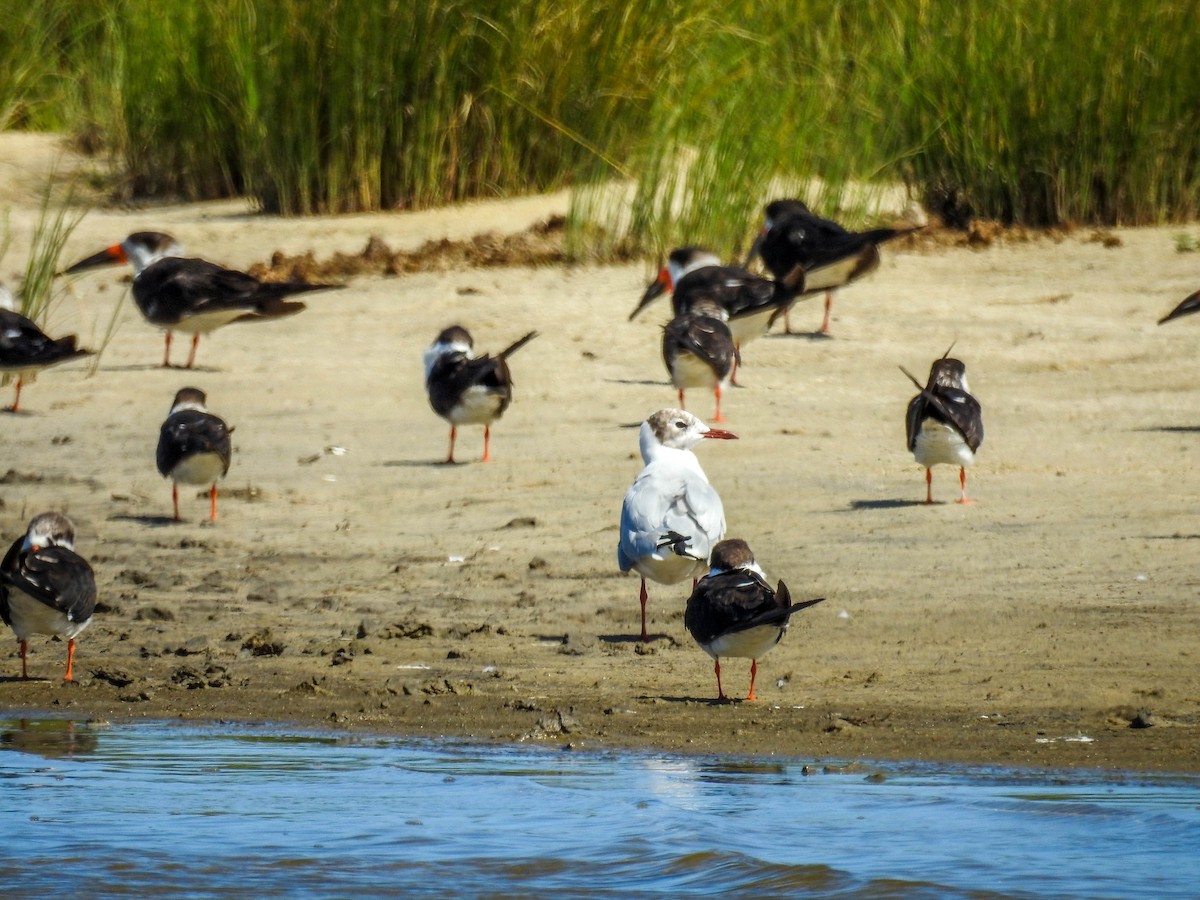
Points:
(699, 351)
(46, 587)
(733, 611)
(465, 389)
(193, 295)
(25, 349)
(193, 446)
(944, 423)
(671, 516)
(807, 253)
(694, 276)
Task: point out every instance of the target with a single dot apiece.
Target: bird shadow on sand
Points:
(1172, 537)
(1174, 429)
(801, 335)
(423, 463)
(632, 638)
(148, 521)
(17, 679)
(706, 701)
(152, 367)
(887, 504)
(648, 382)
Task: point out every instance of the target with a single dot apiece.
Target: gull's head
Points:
(49, 529)
(676, 429)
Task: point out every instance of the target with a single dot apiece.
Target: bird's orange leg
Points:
(70, 658)
(828, 307)
(962, 484)
(753, 675)
(929, 485)
(453, 435)
(16, 406)
(718, 417)
(212, 499)
(717, 669)
(167, 352)
(24, 654)
(487, 444)
(192, 355)
(175, 498)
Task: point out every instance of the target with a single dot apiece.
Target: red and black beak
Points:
(657, 288)
(111, 256)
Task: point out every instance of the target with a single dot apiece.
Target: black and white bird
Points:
(807, 253)
(671, 516)
(699, 352)
(194, 296)
(465, 389)
(46, 587)
(734, 612)
(944, 423)
(25, 349)
(193, 446)
(695, 276)
(1189, 304)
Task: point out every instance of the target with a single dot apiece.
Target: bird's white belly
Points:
(689, 371)
(670, 568)
(200, 468)
(751, 643)
(477, 406)
(206, 322)
(30, 616)
(938, 443)
(747, 328)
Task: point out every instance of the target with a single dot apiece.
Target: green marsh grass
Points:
(672, 121)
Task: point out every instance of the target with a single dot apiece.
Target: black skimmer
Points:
(465, 389)
(694, 275)
(46, 587)
(193, 446)
(672, 516)
(1190, 304)
(807, 253)
(944, 422)
(699, 351)
(734, 612)
(25, 349)
(193, 295)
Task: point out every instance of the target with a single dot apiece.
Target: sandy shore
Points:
(370, 587)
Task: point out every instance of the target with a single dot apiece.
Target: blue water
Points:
(165, 810)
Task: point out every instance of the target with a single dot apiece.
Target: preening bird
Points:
(699, 352)
(25, 349)
(944, 423)
(807, 253)
(734, 612)
(46, 587)
(193, 446)
(465, 389)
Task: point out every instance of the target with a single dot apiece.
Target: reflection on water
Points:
(218, 812)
